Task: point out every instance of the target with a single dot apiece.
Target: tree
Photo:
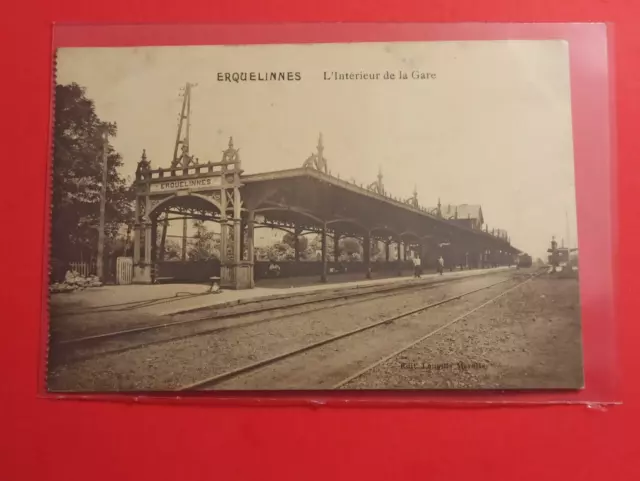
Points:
(314, 248)
(207, 244)
(276, 252)
(290, 240)
(378, 252)
(172, 250)
(350, 246)
(117, 246)
(77, 179)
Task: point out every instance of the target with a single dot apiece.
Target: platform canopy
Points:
(303, 200)
(311, 200)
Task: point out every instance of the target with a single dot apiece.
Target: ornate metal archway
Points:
(214, 183)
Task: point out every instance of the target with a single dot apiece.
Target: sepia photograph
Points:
(326, 216)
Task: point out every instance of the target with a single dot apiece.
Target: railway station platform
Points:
(169, 299)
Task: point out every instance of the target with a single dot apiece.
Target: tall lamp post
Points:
(103, 201)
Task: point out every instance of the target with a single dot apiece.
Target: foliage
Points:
(378, 252)
(350, 249)
(314, 247)
(276, 252)
(206, 245)
(172, 250)
(350, 246)
(77, 178)
(118, 246)
(290, 240)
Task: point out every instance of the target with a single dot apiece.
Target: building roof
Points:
(301, 196)
(465, 211)
(503, 234)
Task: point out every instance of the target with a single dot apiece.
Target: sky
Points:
(492, 128)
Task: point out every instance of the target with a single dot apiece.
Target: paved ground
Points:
(348, 277)
(167, 299)
(531, 338)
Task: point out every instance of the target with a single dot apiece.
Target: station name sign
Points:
(186, 184)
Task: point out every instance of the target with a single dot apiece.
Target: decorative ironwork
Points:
(229, 196)
(377, 186)
(144, 165)
(153, 203)
(185, 160)
(413, 200)
(230, 243)
(317, 161)
(435, 211)
(231, 155)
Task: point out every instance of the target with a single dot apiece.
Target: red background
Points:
(73, 440)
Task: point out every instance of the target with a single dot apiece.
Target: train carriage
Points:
(525, 260)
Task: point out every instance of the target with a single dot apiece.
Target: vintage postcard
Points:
(362, 216)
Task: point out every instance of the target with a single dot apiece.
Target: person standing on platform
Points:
(440, 265)
(416, 267)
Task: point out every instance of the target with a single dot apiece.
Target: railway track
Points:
(406, 347)
(77, 344)
(225, 376)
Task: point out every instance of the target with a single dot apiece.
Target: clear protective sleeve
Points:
(590, 51)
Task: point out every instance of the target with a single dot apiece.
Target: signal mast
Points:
(181, 160)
